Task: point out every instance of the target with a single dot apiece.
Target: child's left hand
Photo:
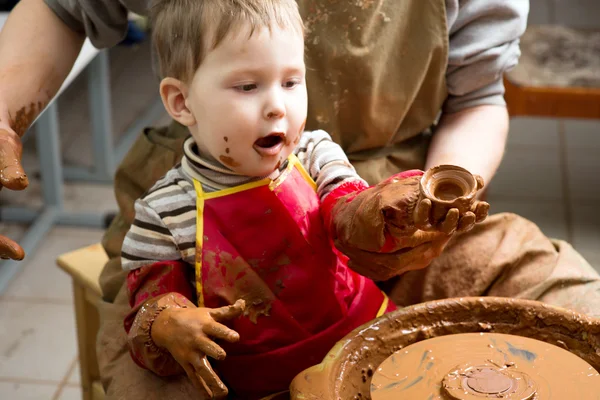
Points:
(385, 230)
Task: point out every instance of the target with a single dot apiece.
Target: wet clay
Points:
(348, 369)
(447, 187)
(448, 191)
(10, 250)
(240, 281)
(11, 173)
(472, 366)
(25, 116)
(230, 162)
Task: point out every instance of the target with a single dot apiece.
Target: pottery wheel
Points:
(473, 366)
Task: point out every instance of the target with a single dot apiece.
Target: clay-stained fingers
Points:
(422, 214)
(196, 380)
(481, 210)
(467, 222)
(10, 250)
(450, 222)
(480, 182)
(228, 312)
(220, 331)
(384, 266)
(209, 381)
(210, 348)
(12, 174)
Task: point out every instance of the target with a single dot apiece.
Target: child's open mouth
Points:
(270, 145)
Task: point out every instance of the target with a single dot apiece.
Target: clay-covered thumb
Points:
(10, 249)
(12, 174)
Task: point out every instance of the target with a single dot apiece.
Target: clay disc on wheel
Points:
(473, 366)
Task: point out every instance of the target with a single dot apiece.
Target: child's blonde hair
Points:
(185, 30)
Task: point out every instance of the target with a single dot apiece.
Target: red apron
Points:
(265, 242)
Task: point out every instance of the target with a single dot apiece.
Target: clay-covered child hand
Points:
(391, 228)
(188, 333)
(13, 177)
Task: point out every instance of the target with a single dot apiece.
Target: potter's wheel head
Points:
(474, 366)
(348, 371)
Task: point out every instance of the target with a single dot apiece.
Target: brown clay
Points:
(10, 250)
(448, 187)
(188, 334)
(472, 366)
(241, 282)
(230, 162)
(25, 116)
(347, 370)
(12, 175)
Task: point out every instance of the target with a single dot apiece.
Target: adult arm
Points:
(37, 51)
(484, 44)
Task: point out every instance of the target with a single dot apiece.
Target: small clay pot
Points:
(346, 371)
(449, 186)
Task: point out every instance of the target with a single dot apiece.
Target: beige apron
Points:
(376, 78)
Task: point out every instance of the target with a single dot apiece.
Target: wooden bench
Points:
(558, 74)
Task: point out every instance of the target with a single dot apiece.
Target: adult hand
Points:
(386, 230)
(187, 334)
(12, 177)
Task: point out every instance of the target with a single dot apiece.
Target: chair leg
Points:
(88, 324)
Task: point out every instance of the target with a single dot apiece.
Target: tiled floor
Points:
(551, 175)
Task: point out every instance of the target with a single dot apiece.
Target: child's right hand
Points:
(187, 334)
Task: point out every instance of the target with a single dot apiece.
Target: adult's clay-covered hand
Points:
(386, 230)
(187, 333)
(12, 177)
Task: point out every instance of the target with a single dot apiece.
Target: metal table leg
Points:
(106, 155)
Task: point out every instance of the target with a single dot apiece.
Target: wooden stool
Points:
(558, 74)
(84, 266)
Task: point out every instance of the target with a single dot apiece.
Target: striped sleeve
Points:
(148, 240)
(325, 161)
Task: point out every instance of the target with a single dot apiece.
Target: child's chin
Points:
(259, 171)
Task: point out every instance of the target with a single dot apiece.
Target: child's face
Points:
(249, 100)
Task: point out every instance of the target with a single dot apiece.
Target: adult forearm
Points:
(473, 138)
(37, 52)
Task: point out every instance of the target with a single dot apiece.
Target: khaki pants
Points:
(505, 256)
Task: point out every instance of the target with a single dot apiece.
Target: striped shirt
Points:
(164, 228)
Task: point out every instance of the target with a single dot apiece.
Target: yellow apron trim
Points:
(304, 172)
(199, 240)
(293, 162)
(237, 189)
(384, 306)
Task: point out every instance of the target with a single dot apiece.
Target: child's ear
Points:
(174, 94)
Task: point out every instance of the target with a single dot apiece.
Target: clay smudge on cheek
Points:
(300, 132)
(230, 162)
(225, 138)
(227, 150)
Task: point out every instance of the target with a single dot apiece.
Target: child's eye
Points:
(290, 84)
(246, 88)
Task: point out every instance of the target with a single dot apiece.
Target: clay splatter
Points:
(230, 162)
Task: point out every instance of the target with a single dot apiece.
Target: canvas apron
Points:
(376, 78)
(265, 242)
